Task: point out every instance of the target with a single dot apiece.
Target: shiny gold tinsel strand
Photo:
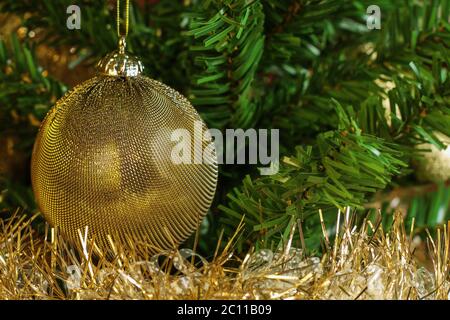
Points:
(361, 263)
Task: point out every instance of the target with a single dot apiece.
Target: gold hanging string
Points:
(127, 9)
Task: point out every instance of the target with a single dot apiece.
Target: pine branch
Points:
(26, 94)
(339, 171)
(419, 106)
(228, 45)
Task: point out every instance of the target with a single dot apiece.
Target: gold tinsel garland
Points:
(361, 263)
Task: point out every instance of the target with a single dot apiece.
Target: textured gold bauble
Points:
(102, 159)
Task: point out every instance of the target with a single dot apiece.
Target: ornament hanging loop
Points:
(127, 15)
(119, 63)
(122, 44)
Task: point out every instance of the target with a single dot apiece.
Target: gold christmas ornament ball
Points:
(103, 159)
(434, 166)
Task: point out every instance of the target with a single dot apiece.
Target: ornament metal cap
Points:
(120, 64)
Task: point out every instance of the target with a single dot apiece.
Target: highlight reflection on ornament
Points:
(102, 160)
